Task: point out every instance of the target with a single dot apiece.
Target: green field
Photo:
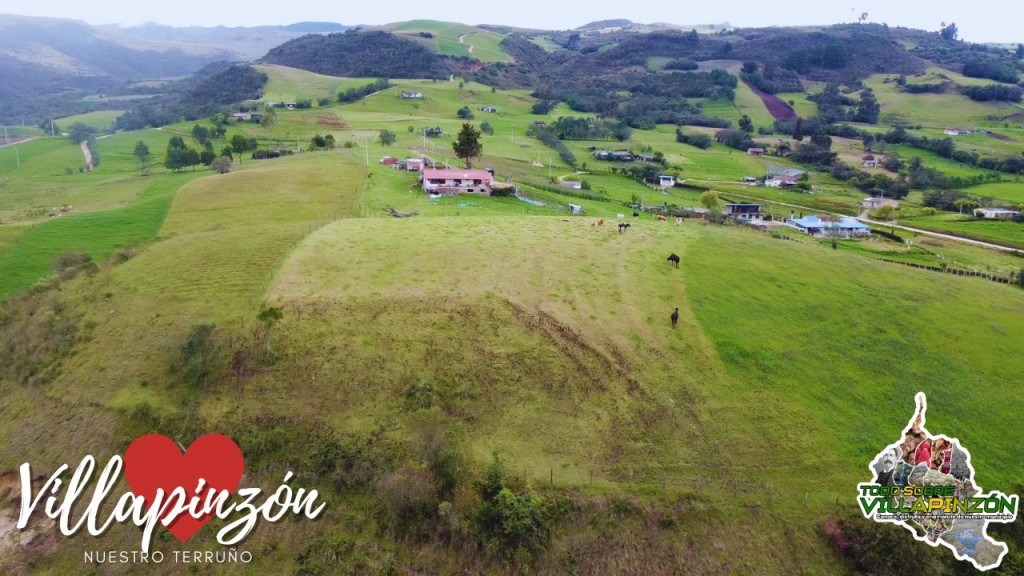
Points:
(1003, 232)
(804, 107)
(102, 120)
(1008, 191)
(937, 111)
(97, 233)
(286, 84)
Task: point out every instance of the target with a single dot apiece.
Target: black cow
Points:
(623, 227)
(674, 259)
(675, 317)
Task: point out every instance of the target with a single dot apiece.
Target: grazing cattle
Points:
(679, 221)
(599, 222)
(661, 218)
(675, 317)
(620, 216)
(674, 259)
(635, 214)
(623, 227)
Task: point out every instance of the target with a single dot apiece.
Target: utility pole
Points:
(549, 167)
(17, 156)
(6, 140)
(52, 130)
(367, 143)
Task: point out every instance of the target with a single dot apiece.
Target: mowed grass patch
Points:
(97, 233)
(831, 350)
(285, 84)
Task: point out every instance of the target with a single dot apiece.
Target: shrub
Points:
(70, 264)
(199, 357)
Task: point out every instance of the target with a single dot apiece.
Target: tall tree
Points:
(746, 124)
(949, 32)
(467, 144)
(269, 118)
(711, 201)
(387, 137)
(142, 154)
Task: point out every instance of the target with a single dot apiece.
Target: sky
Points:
(977, 21)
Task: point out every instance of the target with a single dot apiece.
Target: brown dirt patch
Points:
(333, 121)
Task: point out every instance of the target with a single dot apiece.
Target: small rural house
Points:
(455, 181)
(666, 181)
(413, 164)
(575, 209)
(241, 117)
(781, 181)
(613, 155)
(874, 202)
(846, 227)
(411, 95)
(755, 151)
(738, 211)
(870, 161)
(996, 213)
(488, 109)
(435, 132)
(571, 184)
(955, 132)
(779, 177)
(389, 161)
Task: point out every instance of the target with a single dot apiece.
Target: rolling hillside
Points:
(493, 385)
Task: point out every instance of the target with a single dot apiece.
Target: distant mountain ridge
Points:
(48, 61)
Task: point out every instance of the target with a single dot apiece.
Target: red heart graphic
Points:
(154, 461)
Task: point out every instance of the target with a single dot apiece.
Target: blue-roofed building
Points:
(846, 227)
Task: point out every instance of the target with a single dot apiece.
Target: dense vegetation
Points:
(360, 55)
(208, 92)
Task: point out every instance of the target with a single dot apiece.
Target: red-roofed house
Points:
(456, 181)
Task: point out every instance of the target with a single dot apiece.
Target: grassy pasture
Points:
(286, 84)
(48, 176)
(546, 43)
(804, 107)
(97, 233)
(102, 120)
(446, 36)
(945, 165)
(783, 372)
(1008, 191)
(1003, 232)
(936, 111)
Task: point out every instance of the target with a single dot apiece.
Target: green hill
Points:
(452, 39)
